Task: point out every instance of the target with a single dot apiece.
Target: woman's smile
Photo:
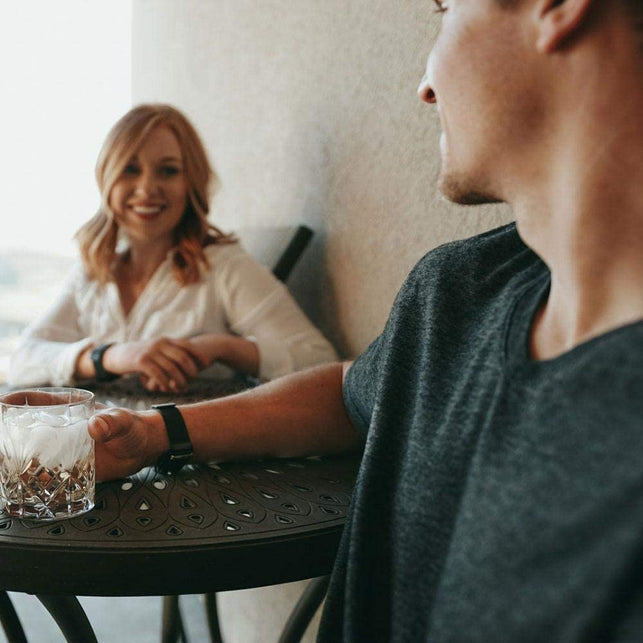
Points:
(150, 196)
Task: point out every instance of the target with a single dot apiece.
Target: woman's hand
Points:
(164, 364)
(167, 364)
(236, 352)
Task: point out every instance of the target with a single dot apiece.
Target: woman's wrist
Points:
(109, 362)
(208, 348)
(84, 368)
(237, 352)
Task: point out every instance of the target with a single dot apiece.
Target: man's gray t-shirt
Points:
(499, 499)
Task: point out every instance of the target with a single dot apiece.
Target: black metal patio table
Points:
(214, 527)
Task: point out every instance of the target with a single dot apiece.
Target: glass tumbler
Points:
(47, 468)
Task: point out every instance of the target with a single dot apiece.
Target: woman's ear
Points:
(559, 20)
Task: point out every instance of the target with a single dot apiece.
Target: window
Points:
(66, 79)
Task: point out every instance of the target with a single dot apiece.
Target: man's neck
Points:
(589, 231)
(580, 206)
(586, 223)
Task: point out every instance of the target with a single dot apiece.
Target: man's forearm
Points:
(300, 414)
(297, 415)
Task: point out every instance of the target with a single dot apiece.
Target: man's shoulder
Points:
(463, 278)
(495, 255)
(490, 247)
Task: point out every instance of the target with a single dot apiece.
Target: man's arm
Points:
(297, 415)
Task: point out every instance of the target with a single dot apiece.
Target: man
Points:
(500, 496)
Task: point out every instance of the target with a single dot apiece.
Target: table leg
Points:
(213, 618)
(172, 626)
(70, 616)
(304, 611)
(10, 622)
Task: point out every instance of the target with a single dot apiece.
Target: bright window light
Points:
(66, 78)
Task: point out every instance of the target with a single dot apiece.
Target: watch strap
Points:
(180, 451)
(102, 375)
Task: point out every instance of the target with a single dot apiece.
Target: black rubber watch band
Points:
(180, 451)
(96, 356)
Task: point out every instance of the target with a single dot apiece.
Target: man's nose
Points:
(425, 90)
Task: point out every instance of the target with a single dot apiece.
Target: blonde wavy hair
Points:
(98, 237)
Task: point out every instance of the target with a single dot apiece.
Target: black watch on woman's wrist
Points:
(180, 451)
(96, 356)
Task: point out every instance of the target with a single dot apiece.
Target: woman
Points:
(160, 291)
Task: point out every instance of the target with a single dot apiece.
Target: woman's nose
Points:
(425, 91)
(145, 183)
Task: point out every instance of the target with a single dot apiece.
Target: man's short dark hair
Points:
(633, 7)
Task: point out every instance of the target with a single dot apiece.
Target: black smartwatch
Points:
(96, 356)
(180, 450)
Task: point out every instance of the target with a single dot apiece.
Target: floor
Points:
(115, 620)
(247, 616)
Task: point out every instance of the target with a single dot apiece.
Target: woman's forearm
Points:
(39, 361)
(236, 352)
(84, 368)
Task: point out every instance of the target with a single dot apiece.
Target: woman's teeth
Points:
(139, 209)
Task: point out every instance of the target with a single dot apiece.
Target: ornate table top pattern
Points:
(210, 528)
(227, 501)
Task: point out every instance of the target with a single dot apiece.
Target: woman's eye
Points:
(130, 169)
(169, 170)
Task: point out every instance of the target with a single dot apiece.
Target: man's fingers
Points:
(99, 428)
(106, 425)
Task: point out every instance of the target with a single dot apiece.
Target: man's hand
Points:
(126, 441)
(265, 421)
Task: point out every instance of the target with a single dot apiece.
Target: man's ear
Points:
(559, 20)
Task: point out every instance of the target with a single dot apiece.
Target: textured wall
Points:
(310, 114)
(309, 111)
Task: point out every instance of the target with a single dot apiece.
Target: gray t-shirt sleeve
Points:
(360, 385)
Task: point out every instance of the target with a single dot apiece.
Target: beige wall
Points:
(310, 114)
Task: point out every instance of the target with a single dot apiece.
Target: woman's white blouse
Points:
(236, 296)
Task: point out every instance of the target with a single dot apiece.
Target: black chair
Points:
(173, 630)
(293, 251)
